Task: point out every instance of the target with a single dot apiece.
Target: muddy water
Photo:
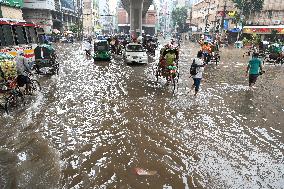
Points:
(94, 123)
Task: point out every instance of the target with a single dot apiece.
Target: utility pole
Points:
(207, 16)
(0, 9)
(190, 18)
(224, 15)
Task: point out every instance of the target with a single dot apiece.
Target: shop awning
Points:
(263, 29)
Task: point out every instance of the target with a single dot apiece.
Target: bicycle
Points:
(173, 77)
(11, 95)
(171, 73)
(34, 85)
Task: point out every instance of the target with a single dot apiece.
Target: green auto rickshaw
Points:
(101, 50)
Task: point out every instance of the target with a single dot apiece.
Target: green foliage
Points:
(249, 6)
(179, 16)
(76, 28)
(245, 41)
(274, 35)
(256, 39)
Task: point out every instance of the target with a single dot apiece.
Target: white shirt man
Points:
(199, 72)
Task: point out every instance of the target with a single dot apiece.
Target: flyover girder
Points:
(136, 9)
(146, 5)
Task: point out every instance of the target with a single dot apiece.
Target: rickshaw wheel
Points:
(35, 86)
(13, 101)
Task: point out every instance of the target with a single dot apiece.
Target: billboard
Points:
(36, 4)
(12, 3)
(68, 4)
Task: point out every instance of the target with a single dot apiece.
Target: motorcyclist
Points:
(206, 49)
(87, 48)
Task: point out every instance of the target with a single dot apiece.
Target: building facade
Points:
(271, 14)
(53, 14)
(105, 18)
(149, 21)
(213, 15)
(96, 16)
(11, 9)
(88, 17)
(214, 12)
(182, 3)
(165, 14)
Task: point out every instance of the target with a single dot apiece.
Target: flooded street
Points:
(93, 124)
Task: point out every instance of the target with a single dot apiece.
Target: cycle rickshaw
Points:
(10, 94)
(168, 67)
(45, 60)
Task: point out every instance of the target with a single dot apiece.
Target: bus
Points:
(19, 35)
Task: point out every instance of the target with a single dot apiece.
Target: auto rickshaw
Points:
(45, 60)
(101, 50)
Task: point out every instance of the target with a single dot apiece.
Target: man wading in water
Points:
(196, 71)
(254, 69)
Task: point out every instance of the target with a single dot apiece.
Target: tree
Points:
(249, 6)
(179, 16)
(77, 28)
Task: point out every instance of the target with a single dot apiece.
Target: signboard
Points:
(12, 3)
(68, 4)
(263, 30)
(226, 24)
(28, 51)
(39, 4)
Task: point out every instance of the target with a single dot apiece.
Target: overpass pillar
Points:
(136, 9)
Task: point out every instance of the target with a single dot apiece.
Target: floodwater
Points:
(93, 124)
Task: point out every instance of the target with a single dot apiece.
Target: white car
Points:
(134, 53)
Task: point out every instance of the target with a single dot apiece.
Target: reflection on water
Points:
(94, 123)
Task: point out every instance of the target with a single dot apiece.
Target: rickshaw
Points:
(10, 94)
(215, 53)
(168, 66)
(101, 50)
(45, 60)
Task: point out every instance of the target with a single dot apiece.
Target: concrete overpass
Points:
(136, 9)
